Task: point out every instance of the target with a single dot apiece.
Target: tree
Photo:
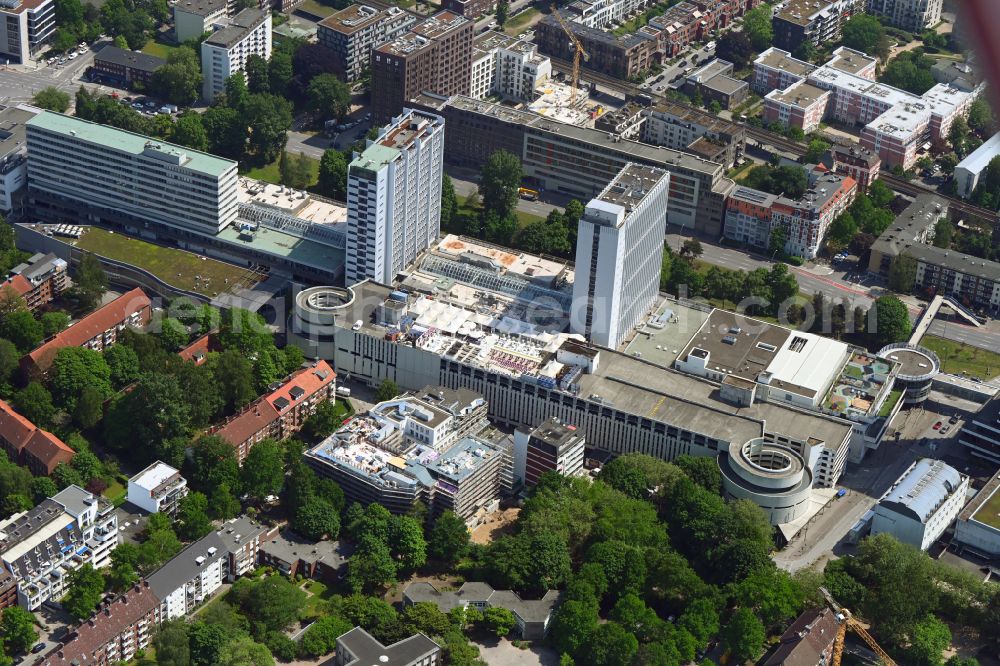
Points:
(862, 32)
(623, 476)
(75, 368)
(22, 329)
(274, 602)
(333, 175)
(776, 241)
(9, 360)
(499, 184)
(17, 628)
(213, 463)
(572, 625)
(449, 201)
(958, 135)
(908, 73)
(315, 519)
(171, 644)
(42, 487)
(244, 651)
(805, 51)
(178, 81)
(499, 621)
(502, 13)
(735, 47)
(192, 516)
(34, 402)
(206, 642)
(757, 25)
(53, 322)
(448, 540)
(89, 408)
(928, 640)
(84, 589)
(981, 118)
(407, 544)
(329, 96)
(744, 635)
(52, 98)
(269, 118)
(943, 231)
(702, 470)
(279, 72)
(892, 320)
(91, 280)
(123, 365)
(691, 248)
(387, 390)
(223, 503)
(155, 412)
(610, 645)
(371, 566)
(189, 130)
(321, 637)
(257, 74)
(263, 470)
(817, 148)
(225, 130)
(902, 274)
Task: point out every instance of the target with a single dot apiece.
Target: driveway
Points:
(503, 653)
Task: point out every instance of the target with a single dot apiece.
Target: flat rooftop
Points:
(154, 476)
(851, 61)
(439, 24)
(660, 338)
(286, 246)
(300, 203)
(914, 361)
(239, 27)
(801, 95)
(12, 132)
(985, 506)
(631, 186)
(201, 7)
(127, 142)
(801, 12)
(354, 18)
(776, 58)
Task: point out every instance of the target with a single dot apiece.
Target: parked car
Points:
(937, 426)
(72, 56)
(944, 430)
(38, 648)
(953, 420)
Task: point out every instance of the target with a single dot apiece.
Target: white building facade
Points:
(967, 171)
(157, 489)
(226, 51)
(618, 255)
(28, 28)
(909, 15)
(922, 503)
(394, 197)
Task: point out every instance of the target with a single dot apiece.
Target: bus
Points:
(525, 193)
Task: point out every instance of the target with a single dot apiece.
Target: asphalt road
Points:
(19, 83)
(986, 337)
(465, 184)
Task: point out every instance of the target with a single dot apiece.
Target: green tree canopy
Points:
(178, 81)
(51, 98)
(329, 96)
(499, 184)
(84, 589)
(17, 627)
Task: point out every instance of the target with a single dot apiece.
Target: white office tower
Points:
(394, 197)
(619, 250)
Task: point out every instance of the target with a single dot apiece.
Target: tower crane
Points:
(578, 51)
(847, 621)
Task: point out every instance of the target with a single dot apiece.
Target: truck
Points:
(343, 391)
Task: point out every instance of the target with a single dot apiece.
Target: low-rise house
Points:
(293, 556)
(359, 648)
(38, 281)
(197, 352)
(125, 67)
(98, 330)
(27, 444)
(281, 413)
(808, 641)
(532, 616)
(157, 489)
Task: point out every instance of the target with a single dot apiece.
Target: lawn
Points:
(318, 593)
(271, 173)
(958, 358)
(890, 402)
(516, 24)
(115, 493)
(177, 268)
(158, 49)
(316, 8)
(523, 219)
(989, 512)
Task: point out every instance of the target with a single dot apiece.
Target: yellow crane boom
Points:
(847, 621)
(577, 53)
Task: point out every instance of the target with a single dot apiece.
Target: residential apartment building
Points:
(8, 589)
(293, 556)
(915, 225)
(622, 402)
(157, 489)
(359, 648)
(817, 21)
(508, 67)
(470, 9)
(602, 13)
(922, 503)
(39, 547)
(690, 130)
(126, 68)
(713, 83)
(861, 164)
(116, 631)
(198, 572)
(808, 640)
(752, 215)
(551, 447)
(27, 444)
(532, 615)
(193, 18)
(619, 255)
(39, 281)
(620, 57)
(13, 154)
(125, 178)
(910, 15)
(98, 330)
(895, 123)
(967, 171)
(393, 197)
(352, 33)
(392, 455)
(29, 27)
(579, 161)
(227, 50)
(434, 56)
(282, 412)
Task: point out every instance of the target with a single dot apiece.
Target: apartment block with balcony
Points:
(508, 67)
(553, 446)
(157, 489)
(470, 9)
(39, 547)
(97, 331)
(226, 51)
(352, 33)
(817, 21)
(282, 412)
(39, 280)
(910, 15)
(29, 26)
(685, 128)
(193, 18)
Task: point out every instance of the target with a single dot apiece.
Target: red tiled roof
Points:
(806, 639)
(90, 326)
(106, 625)
(48, 449)
(19, 284)
(14, 428)
(198, 350)
(309, 379)
(249, 422)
